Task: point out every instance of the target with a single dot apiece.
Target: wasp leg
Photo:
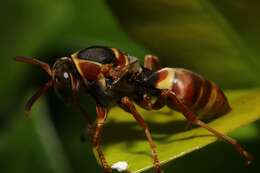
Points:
(33, 61)
(94, 133)
(128, 106)
(101, 117)
(37, 95)
(151, 62)
(191, 117)
(148, 105)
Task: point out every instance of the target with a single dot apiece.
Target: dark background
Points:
(49, 142)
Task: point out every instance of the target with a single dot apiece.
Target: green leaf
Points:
(216, 38)
(32, 144)
(125, 141)
(50, 144)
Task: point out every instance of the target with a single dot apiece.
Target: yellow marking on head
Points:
(166, 83)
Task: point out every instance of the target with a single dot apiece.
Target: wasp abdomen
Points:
(199, 94)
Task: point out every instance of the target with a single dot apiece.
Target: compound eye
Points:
(66, 76)
(63, 78)
(63, 86)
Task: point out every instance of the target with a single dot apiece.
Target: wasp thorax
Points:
(63, 73)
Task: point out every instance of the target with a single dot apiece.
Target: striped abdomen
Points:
(199, 94)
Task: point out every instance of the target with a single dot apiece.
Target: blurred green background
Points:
(217, 38)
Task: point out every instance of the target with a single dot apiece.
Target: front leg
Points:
(96, 138)
(94, 132)
(128, 106)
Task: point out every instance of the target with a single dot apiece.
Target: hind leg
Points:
(192, 118)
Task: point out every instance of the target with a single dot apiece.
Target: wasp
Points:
(112, 77)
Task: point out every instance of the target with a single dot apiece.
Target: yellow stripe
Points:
(118, 54)
(77, 61)
(201, 91)
(115, 52)
(168, 81)
(211, 101)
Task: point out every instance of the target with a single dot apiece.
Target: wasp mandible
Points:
(111, 77)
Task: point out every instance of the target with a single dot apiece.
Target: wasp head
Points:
(64, 78)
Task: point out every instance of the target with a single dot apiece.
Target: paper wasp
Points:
(113, 77)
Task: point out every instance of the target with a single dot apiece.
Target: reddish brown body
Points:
(111, 76)
(202, 96)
